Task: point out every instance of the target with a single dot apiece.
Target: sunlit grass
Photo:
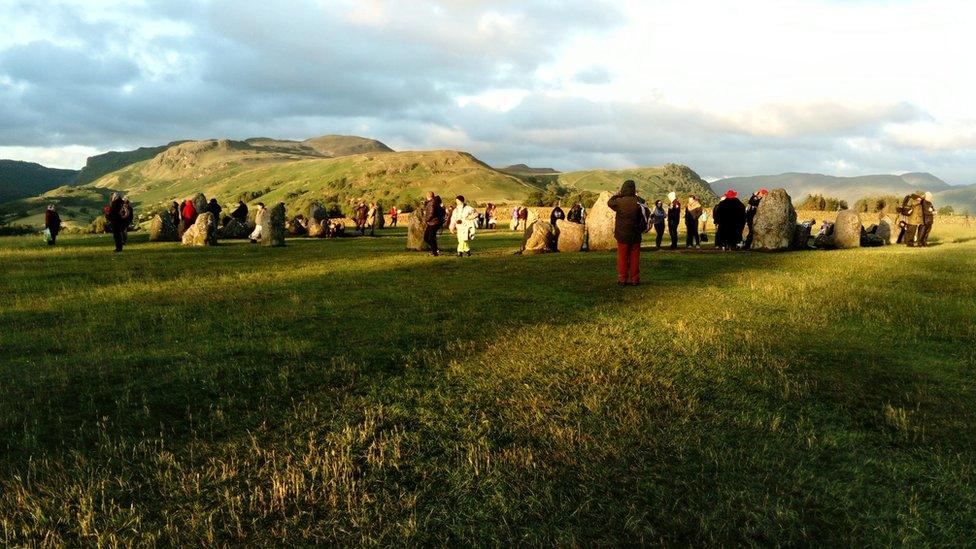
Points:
(349, 392)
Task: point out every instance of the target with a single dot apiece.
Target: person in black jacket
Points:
(658, 218)
(730, 219)
(575, 214)
(928, 219)
(113, 214)
(557, 214)
(751, 210)
(240, 213)
(434, 214)
(628, 228)
(127, 216)
(214, 208)
(52, 222)
(674, 218)
(693, 211)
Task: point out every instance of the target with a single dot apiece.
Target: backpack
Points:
(441, 214)
(646, 217)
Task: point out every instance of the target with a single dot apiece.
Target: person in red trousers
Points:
(631, 223)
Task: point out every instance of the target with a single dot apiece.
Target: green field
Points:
(348, 392)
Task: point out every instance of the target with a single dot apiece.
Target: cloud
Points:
(762, 86)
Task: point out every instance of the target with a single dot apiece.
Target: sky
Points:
(728, 88)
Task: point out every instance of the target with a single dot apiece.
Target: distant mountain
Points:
(652, 183)
(799, 185)
(335, 146)
(22, 179)
(523, 169)
(961, 198)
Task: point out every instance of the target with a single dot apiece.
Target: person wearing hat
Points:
(629, 225)
(928, 219)
(751, 210)
(52, 223)
(674, 218)
(730, 219)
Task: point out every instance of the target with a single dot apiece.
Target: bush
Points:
(16, 230)
(820, 203)
(946, 210)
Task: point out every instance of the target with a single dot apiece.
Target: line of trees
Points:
(821, 203)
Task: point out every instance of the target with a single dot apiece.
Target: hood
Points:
(629, 188)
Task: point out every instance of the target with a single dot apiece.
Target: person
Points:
(658, 218)
(928, 219)
(523, 218)
(394, 213)
(448, 213)
(433, 213)
(730, 220)
(113, 214)
(557, 214)
(912, 210)
(491, 216)
(371, 218)
(189, 214)
(362, 212)
(462, 224)
(514, 225)
(214, 208)
(674, 217)
(751, 210)
(52, 222)
(575, 214)
(693, 210)
(258, 230)
(174, 215)
(127, 216)
(240, 212)
(628, 228)
(718, 235)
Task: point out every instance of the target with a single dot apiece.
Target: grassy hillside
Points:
(799, 185)
(228, 169)
(654, 183)
(523, 169)
(103, 164)
(23, 179)
(345, 145)
(348, 393)
(962, 198)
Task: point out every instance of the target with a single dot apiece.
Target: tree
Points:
(946, 210)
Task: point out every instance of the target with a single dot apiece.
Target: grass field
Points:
(348, 392)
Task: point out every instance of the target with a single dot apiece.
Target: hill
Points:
(962, 198)
(524, 169)
(345, 145)
(652, 183)
(22, 179)
(850, 189)
(106, 163)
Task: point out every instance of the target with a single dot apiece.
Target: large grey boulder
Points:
(775, 222)
(203, 232)
(415, 233)
(317, 212)
(570, 236)
(539, 238)
(847, 230)
(233, 230)
(600, 222)
(297, 226)
(200, 204)
(884, 230)
(801, 236)
(272, 222)
(162, 229)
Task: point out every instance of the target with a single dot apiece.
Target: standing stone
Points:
(200, 204)
(317, 212)
(203, 232)
(775, 222)
(415, 233)
(847, 229)
(801, 236)
(600, 222)
(232, 230)
(539, 238)
(163, 230)
(316, 228)
(570, 236)
(884, 230)
(272, 223)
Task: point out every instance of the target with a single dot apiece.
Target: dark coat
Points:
(433, 212)
(52, 221)
(674, 213)
(630, 224)
(730, 218)
(928, 212)
(240, 213)
(575, 214)
(557, 214)
(114, 214)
